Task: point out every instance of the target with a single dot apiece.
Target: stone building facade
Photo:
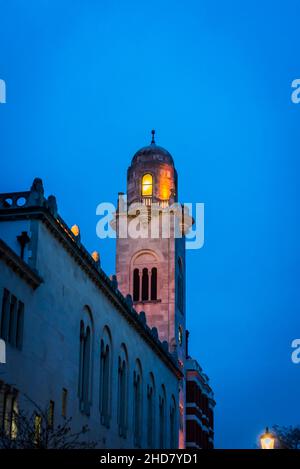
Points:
(73, 341)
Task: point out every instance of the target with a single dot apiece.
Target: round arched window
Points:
(147, 185)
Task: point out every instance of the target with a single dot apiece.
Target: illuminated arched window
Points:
(147, 185)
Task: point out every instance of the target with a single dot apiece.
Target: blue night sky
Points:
(88, 80)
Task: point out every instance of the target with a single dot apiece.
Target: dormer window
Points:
(147, 185)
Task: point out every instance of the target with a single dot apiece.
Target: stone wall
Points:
(49, 359)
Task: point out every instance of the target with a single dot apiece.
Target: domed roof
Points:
(152, 152)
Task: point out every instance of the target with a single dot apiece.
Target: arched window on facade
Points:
(85, 366)
(136, 285)
(105, 377)
(122, 391)
(147, 185)
(150, 411)
(162, 418)
(154, 283)
(173, 432)
(137, 404)
(145, 285)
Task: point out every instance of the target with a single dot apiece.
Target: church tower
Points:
(151, 266)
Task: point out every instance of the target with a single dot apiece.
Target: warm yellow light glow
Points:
(165, 184)
(267, 440)
(165, 191)
(95, 256)
(75, 230)
(37, 429)
(14, 420)
(147, 185)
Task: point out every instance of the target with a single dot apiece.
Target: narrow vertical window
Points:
(37, 429)
(173, 442)
(137, 406)
(123, 397)
(172, 419)
(150, 415)
(84, 368)
(104, 384)
(64, 403)
(122, 393)
(8, 402)
(12, 321)
(145, 285)
(14, 419)
(5, 315)
(106, 381)
(136, 285)
(147, 185)
(154, 283)
(161, 422)
(20, 325)
(81, 338)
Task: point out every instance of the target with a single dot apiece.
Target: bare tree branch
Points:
(22, 430)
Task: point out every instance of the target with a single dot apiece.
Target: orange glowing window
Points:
(147, 185)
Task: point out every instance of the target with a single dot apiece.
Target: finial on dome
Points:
(153, 133)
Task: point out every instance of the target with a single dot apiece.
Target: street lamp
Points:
(267, 440)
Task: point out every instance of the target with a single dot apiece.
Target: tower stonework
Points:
(151, 267)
